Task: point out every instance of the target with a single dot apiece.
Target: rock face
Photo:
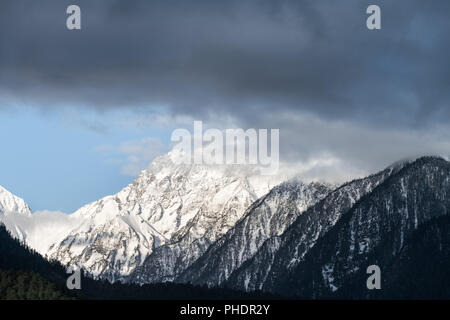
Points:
(266, 218)
(171, 212)
(281, 253)
(402, 226)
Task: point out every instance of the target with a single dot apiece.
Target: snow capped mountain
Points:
(229, 226)
(279, 254)
(401, 226)
(11, 203)
(268, 217)
(12, 210)
(172, 212)
(38, 230)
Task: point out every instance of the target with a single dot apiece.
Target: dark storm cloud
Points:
(311, 68)
(246, 59)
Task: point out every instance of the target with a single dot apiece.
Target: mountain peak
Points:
(10, 203)
(171, 207)
(400, 164)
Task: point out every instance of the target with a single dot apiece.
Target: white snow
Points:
(122, 230)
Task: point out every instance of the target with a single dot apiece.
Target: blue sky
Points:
(61, 160)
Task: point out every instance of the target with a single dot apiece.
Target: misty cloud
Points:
(133, 156)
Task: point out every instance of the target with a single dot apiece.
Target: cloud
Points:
(355, 149)
(132, 156)
(368, 97)
(42, 228)
(207, 57)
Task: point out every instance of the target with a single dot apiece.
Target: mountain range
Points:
(229, 226)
